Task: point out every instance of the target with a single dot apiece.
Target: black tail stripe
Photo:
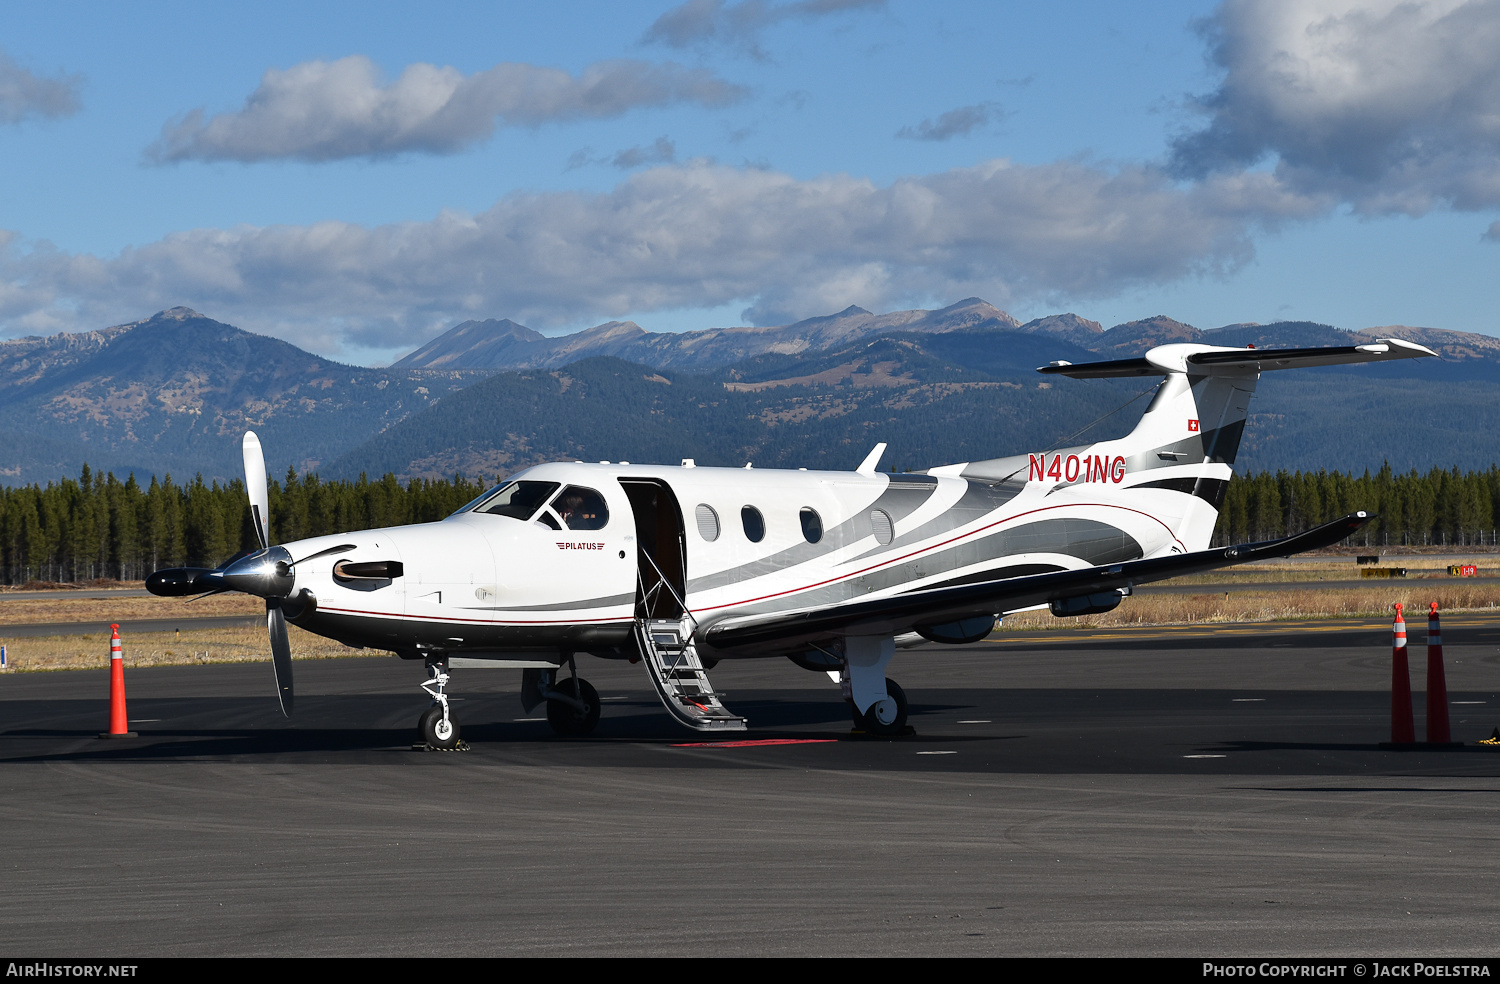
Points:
(1210, 490)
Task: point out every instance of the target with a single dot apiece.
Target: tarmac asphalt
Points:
(1205, 792)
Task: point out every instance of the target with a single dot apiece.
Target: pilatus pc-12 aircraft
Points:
(680, 567)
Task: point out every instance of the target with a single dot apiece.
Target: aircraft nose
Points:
(267, 573)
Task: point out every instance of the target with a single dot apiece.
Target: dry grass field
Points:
(17, 609)
(1242, 604)
(1332, 568)
(79, 652)
(190, 645)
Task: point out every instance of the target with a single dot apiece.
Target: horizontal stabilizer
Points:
(1204, 359)
(1102, 370)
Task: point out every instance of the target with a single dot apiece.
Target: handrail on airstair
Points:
(686, 669)
(662, 582)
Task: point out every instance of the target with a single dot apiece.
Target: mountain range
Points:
(504, 344)
(507, 345)
(172, 393)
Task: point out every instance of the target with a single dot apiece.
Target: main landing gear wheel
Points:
(885, 718)
(567, 720)
(435, 731)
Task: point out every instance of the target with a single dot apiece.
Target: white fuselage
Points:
(478, 584)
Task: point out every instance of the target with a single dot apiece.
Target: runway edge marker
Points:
(119, 725)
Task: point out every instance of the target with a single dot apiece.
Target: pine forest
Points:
(97, 527)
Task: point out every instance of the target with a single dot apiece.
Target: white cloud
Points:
(698, 23)
(954, 123)
(322, 111)
(24, 95)
(1392, 105)
(692, 235)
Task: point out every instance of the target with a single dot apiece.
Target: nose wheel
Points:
(437, 728)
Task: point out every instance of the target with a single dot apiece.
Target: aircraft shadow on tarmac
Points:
(632, 722)
(993, 730)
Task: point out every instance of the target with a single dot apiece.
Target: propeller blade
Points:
(255, 484)
(281, 654)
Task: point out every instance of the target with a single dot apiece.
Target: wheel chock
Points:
(422, 746)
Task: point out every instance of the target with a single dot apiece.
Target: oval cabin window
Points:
(812, 525)
(880, 525)
(755, 524)
(708, 522)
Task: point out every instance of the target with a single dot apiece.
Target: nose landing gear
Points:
(436, 725)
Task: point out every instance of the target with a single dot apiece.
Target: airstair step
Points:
(672, 662)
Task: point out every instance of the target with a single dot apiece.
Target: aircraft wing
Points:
(895, 614)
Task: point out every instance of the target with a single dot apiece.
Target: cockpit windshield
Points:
(574, 508)
(476, 500)
(518, 500)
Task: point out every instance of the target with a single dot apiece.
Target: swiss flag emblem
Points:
(1192, 425)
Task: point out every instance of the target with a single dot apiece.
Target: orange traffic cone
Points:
(1438, 731)
(1403, 728)
(119, 727)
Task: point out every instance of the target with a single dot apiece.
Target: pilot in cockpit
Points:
(581, 509)
(570, 510)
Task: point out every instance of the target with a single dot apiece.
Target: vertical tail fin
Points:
(1187, 442)
(1189, 436)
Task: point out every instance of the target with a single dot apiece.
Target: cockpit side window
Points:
(581, 509)
(518, 500)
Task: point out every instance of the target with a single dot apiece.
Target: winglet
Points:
(867, 467)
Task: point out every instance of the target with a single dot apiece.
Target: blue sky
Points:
(359, 177)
